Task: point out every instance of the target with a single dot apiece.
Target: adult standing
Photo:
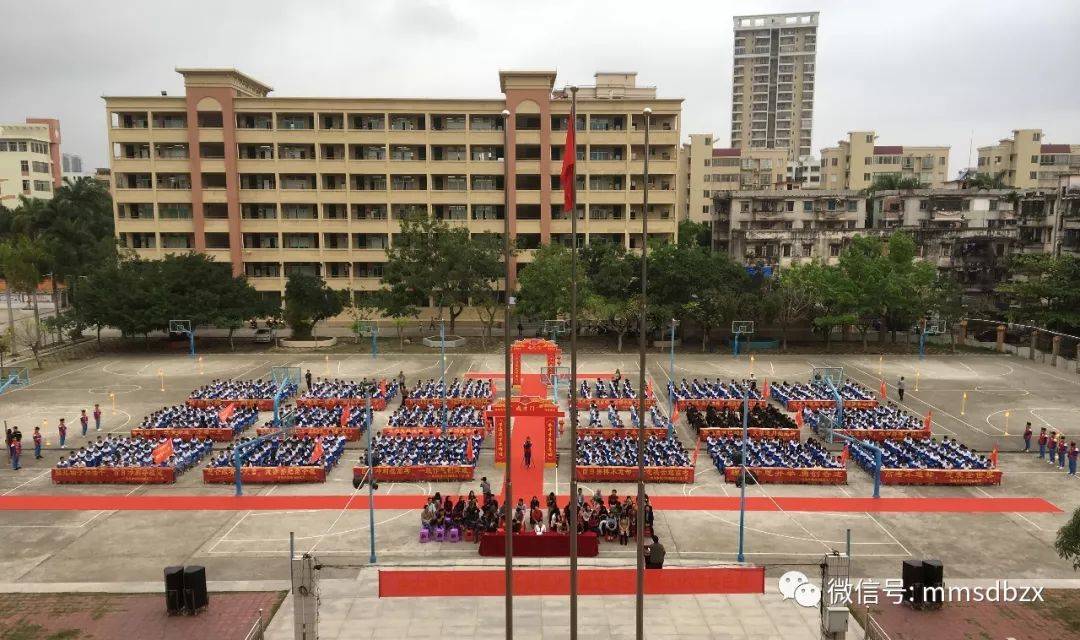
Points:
(654, 554)
(307, 378)
(528, 452)
(900, 388)
(37, 443)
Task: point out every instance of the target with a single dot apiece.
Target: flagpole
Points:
(640, 589)
(571, 197)
(507, 502)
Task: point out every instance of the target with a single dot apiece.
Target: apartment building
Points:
(855, 163)
(707, 172)
(772, 96)
(782, 227)
(1067, 236)
(29, 160)
(804, 173)
(1027, 161)
(275, 185)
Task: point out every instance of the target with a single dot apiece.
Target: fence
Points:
(872, 630)
(257, 628)
(1034, 343)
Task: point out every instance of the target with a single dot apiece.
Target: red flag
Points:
(994, 456)
(799, 418)
(675, 412)
(883, 393)
(163, 451)
(317, 452)
(844, 455)
(569, 160)
(927, 419)
(767, 393)
(468, 448)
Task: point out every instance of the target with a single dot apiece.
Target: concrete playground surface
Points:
(118, 548)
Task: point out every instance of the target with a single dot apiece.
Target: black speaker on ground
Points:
(912, 575)
(933, 577)
(195, 595)
(174, 590)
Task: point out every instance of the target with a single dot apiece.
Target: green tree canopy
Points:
(308, 300)
(1045, 291)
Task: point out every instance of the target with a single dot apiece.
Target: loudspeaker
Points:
(933, 573)
(195, 595)
(912, 574)
(174, 590)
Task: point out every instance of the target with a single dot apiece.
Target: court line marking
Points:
(1022, 516)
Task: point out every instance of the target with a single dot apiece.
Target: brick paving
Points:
(76, 616)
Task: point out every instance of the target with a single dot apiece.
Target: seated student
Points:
(241, 390)
(792, 454)
(122, 451)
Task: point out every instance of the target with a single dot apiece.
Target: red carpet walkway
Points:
(528, 482)
(661, 503)
(556, 582)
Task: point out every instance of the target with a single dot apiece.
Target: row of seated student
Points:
(240, 390)
(291, 451)
(818, 390)
(183, 416)
(400, 450)
(431, 415)
(614, 418)
(470, 388)
(602, 389)
(925, 453)
(622, 452)
(714, 390)
(114, 451)
(324, 417)
(759, 417)
(770, 453)
(332, 388)
(890, 417)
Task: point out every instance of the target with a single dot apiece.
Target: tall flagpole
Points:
(640, 604)
(571, 128)
(507, 501)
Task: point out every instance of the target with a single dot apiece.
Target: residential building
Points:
(1067, 237)
(29, 159)
(782, 227)
(855, 163)
(707, 171)
(804, 173)
(967, 232)
(71, 165)
(275, 185)
(772, 96)
(1027, 161)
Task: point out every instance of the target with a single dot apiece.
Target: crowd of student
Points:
(287, 452)
(122, 451)
(818, 390)
(431, 416)
(759, 417)
(334, 388)
(1055, 444)
(594, 418)
(925, 453)
(617, 387)
(321, 417)
(408, 450)
(622, 452)
(889, 417)
(718, 389)
(790, 454)
(187, 417)
(240, 390)
(433, 389)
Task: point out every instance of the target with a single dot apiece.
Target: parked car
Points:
(264, 336)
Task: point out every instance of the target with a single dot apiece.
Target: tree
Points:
(947, 303)
(544, 284)
(488, 304)
(308, 300)
(1044, 291)
(1067, 542)
(400, 304)
(893, 182)
(615, 314)
(793, 293)
(971, 179)
(694, 234)
(20, 258)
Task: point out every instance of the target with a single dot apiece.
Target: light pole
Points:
(570, 190)
(742, 473)
(671, 370)
(508, 503)
(442, 376)
(371, 474)
(640, 587)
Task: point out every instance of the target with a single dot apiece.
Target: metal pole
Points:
(508, 597)
(671, 364)
(371, 474)
(442, 360)
(375, 341)
(742, 474)
(571, 128)
(849, 543)
(191, 341)
(640, 589)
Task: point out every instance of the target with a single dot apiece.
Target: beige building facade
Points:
(772, 97)
(274, 185)
(708, 172)
(29, 160)
(855, 163)
(1028, 161)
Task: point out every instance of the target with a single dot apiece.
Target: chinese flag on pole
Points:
(317, 452)
(994, 456)
(468, 448)
(569, 159)
(163, 451)
(883, 394)
(766, 393)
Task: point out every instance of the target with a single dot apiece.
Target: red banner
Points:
(780, 475)
(479, 403)
(377, 404)
(262, 404)
(185, 433)
(416, 473)
(592, 473)
(753, 433)
(621, 404)
(798, 405)
(264, 475)
(955, 477)
(226, 412)
(418, 432)
(719, 403)
(877, 435)
(352, 434)
(114, 475)
(608, 433)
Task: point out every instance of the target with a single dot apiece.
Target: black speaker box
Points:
(912, 575)
(174, 590)
(195, 595)
(933, 573)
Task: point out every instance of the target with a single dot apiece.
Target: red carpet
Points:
(556, 582)
(400, 502)
(528, 482)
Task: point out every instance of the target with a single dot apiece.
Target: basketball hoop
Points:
(556, 328)
(740, 328)
(832, 374)
(183, 327)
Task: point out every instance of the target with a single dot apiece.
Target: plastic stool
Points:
(425, 536)
(440, 534)
(455, 535)
(470, 535)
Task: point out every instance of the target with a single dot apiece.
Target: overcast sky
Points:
(917, 72)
